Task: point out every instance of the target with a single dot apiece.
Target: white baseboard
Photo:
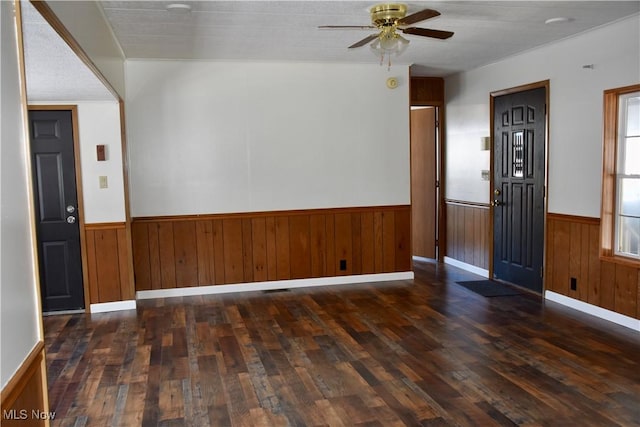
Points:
(423, 259)
(113, 306)
(470, 268)
(594, 310)
(272, 285)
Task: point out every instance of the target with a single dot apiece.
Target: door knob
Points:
(496, 192)
(71, 209)
(71, 219)
(497, 202)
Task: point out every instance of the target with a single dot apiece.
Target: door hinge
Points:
(542, 272)
(437, 123)
(437, 242)
(437, 184)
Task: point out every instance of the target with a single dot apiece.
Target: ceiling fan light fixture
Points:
(388, 43)
(390, 19)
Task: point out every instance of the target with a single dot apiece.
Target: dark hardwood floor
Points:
(427, 352)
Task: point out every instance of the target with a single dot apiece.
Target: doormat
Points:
(489, 288)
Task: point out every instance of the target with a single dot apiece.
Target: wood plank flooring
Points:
(421, 353)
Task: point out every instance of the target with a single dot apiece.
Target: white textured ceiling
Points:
(53, 72)
(485, 31)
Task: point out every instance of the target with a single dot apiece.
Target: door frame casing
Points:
(492, 96)
(80, 195)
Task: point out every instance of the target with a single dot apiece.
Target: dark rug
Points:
(489, 288)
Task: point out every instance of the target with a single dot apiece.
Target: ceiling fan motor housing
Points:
(385, 15)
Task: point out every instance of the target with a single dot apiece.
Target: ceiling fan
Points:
(388, 19)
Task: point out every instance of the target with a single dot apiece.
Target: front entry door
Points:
(56, 208)
(518, 195)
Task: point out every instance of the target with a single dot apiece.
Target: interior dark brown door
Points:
(518, 193)
(424, 197)
(56, 208)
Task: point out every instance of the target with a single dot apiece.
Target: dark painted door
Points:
(56, 208)
(518, 193)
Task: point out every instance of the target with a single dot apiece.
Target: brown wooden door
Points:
(56, 206)
(424, 206)
(518, 177)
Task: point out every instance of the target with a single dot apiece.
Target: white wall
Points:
(19, 313)
(99, 124)
(212, 137)
(575, 141)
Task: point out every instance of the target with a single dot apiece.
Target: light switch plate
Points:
(103, 182)
(484, 174)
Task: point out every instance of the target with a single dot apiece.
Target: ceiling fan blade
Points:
(364, 41)
(360, 27)
(425, 32)
(418, 16)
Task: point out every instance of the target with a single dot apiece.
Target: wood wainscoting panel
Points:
(107, 262)
(233, 256)
(367, 242)
(573, 256)
(318, 245)
(167, 255)
(402, 220)
(205, 252)
(282, 254)
(259, 247)
(344, 246)
(299, 248)
(468, 232)
(24, 401)
(221, 249)
(186, 253)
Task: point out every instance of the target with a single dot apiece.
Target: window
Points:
(620, 222)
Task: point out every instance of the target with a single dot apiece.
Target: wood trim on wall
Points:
(26, 391)
(128, 287)
(469, 204)
(325, 211)
(254, 247)
(573, 218)
(27, 388)
(468, 232)
(573, 252)
(108, 254)
(27, 147)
